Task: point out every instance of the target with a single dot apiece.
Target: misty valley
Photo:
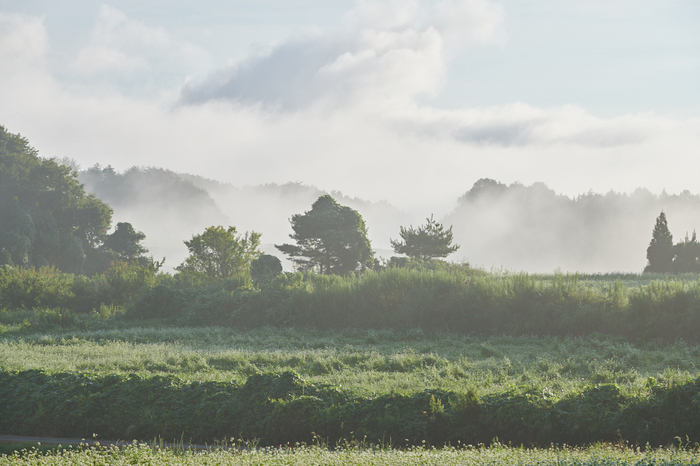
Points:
(150, 304)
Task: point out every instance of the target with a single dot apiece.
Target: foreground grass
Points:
(366, 362)
(494, 455)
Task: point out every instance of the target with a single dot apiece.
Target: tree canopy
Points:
(331, 239)
(687, 255)
(46, 218)
(427, 242)
(219, 253)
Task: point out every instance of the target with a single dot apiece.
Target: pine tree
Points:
(427, 242)
(331, 239)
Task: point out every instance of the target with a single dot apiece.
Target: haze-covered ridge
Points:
(170, 207)
(166, 207)
(535, 229)
(515, 227)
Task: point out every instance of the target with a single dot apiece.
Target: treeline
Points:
(47, 219)
(281, 409)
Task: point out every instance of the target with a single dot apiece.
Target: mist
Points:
(497, 226)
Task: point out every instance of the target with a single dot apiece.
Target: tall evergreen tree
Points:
(660, 252)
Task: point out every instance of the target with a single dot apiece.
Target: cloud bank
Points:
(347, 109)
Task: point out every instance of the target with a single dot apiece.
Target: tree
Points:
(219, 253)
(46, 218)
(687, 255)
(331, 239)
(264, 269)
(126, 242)
(429, 241)
(660, 252)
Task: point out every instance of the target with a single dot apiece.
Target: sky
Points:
(405, 101)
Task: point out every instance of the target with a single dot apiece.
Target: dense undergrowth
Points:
(275, 409)
(453, 299)
(281, 386)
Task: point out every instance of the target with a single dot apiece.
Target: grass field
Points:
(366, 362)
(608, 455)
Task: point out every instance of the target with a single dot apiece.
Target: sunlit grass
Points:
(367, 362)
(358, 455)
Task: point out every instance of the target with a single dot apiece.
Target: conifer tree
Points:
(660, 252)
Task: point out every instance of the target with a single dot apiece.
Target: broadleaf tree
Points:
(427, 242)
(46, 218)
(219, 253)
(330, 239)
(687, 255)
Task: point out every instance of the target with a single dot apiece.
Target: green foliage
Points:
(264, 269)
(687, 255)
(275, 409)
(331, 239)
(125, 242)
(46, 219)
(219, 253)
(427, 242)
(49, 288)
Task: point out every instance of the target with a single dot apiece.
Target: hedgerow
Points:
(276, 409)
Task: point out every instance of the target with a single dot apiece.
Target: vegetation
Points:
(219, 253)
(356, 453)
(412, 353)
(429, 241)
(455, 299)
(46, 219)
(264, 269)
(331, 239)
(665, 257)
(660, 251)
(402, 388)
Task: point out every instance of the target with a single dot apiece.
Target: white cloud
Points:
(120, 44)
(24, 42)
(354, 125)
(388, 51)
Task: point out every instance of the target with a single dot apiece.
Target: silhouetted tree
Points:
(429, 241)
(660, 252)
(126, 242)
(331, 239)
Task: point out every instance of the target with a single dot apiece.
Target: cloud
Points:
(388, 51)
(24, 42)
(337, 109)
(332, 70)
(122, 45)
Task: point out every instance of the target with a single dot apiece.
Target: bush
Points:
(275, 409)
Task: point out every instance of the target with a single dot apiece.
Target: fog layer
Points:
(515, 227)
